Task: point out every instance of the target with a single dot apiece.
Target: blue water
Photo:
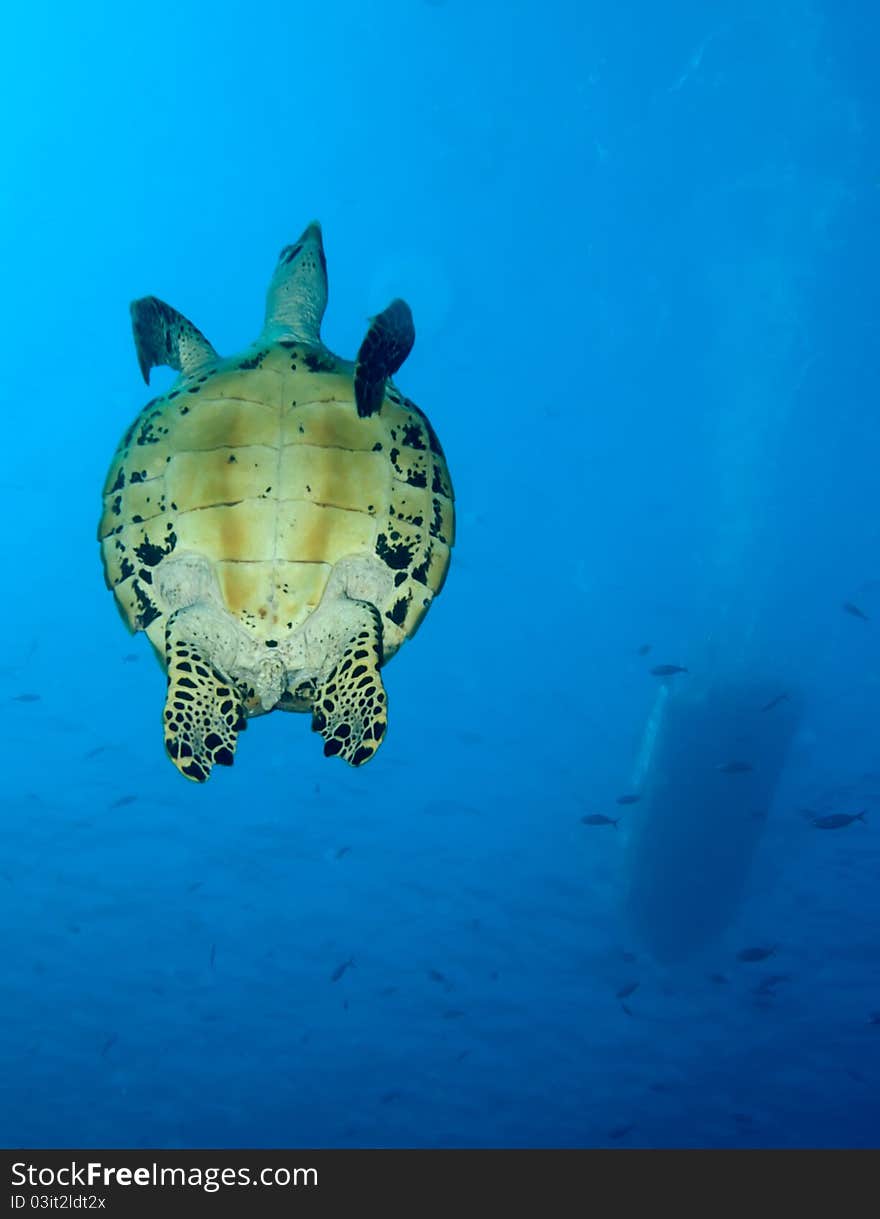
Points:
(640, 243)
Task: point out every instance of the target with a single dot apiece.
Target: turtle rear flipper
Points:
(350, 708)
(387, 344)
(203, 714)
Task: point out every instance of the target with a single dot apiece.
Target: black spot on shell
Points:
(395, 556)
(433, 440)
(412, 436)
(316, 362)
(148, 612)
(149, 553)
(438, 486)
(397, 613)
(437, 522)
(420, 573)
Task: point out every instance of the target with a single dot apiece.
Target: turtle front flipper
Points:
(350, 708)
(203, 714)
(164, 336)
(387, 344)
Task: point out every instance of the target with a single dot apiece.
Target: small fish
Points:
(718, 979)
(617, 1132)
(387, 991)
(755, 954)
(26, 698)
(340, 969)
(93, 753)
(626, 1009)
(629, 957)
(743, 1119)
(452, 1013)
(768, 985)
(626, 991)
(196, 884)
(598, 819)
(733, 768)
(108, 1044)
(436, 976)
(122, 801)
(774, 702)
(855, 611)
(837, 821)
(758, 815)
(644, 649)
(874, 1018)
(129, 658)
(667, 670)
(461, 1055)
(342, 852)
(213, 956)
(633, 799)
(387, 1097)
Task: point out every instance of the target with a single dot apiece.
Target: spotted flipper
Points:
(164, 336)
(350, 709)
(387, 344)
(203, 715)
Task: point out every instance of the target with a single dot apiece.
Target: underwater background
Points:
(640, 242)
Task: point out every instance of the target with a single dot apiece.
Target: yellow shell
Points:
(261, 466)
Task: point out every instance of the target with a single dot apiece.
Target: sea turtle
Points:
(278, 522)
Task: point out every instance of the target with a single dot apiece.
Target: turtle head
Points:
(297, 295)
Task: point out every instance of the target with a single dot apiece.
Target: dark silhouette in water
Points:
(755, 954)
(774, 702)
(689, 851)
(340, 969)
(837, 821)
